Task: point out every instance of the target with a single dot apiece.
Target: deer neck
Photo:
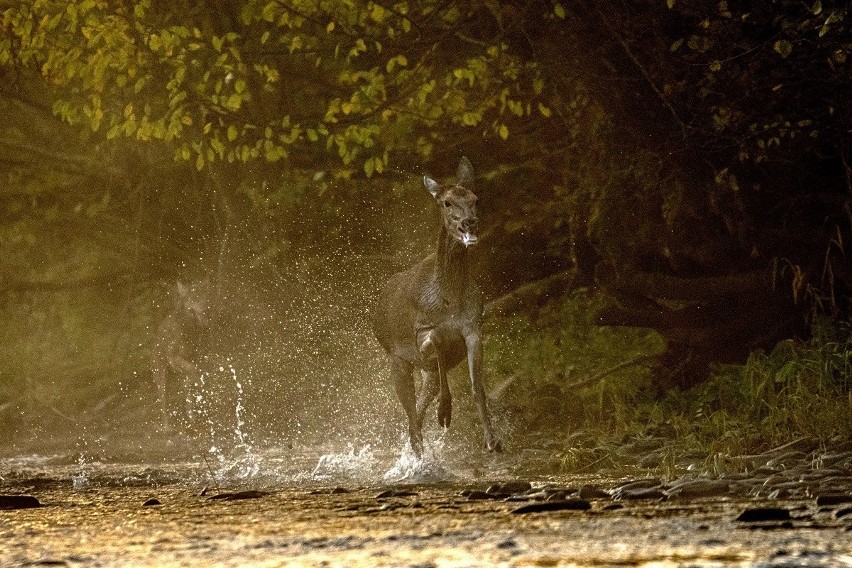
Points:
(451, 267)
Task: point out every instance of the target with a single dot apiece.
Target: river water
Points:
(362, 506)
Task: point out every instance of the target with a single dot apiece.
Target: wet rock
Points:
(823, 474)
(8, 502)
(510, 487)
(764, 471)
(786, 459)
(548, 506)
(654, 493)
(239, 495)
(151, 502)
(698, 488)
(833, 459)
(640, 484)
(776, 494)
(507, 544)
(557, 496)
(589, 492)
(845, 512)
(476, 495)
(395, 493)
(832, 500)
(764, 514)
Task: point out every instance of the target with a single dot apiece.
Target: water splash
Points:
(245, 463)
(348, 466)
(80, 480)
(428, 468)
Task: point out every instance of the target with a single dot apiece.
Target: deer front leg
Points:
(474, 362)
(403, 382)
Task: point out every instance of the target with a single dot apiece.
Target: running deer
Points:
(178, 341)
(429, 316)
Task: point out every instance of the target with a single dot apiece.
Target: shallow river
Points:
(359, 507)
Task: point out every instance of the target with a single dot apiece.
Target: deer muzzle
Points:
(467, 235)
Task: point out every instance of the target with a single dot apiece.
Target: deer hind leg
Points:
(431, 389)
(403, 382)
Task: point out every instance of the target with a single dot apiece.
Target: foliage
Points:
(267, 80)
(798, 389)
(567, 374)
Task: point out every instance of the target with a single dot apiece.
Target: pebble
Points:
(840, 513)
(639, 484)
(699, 488)
(763, 514)
(18, 502)
(832, 500)
(509, 487)
(151, 502)
(639, 494)
(239, 495)
(592, 492)
(547, 506)
(395, 493)
(476, 495)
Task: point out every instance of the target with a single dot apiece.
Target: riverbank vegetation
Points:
(587, 393)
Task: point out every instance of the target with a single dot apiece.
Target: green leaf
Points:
(503, 131)
(783, 47)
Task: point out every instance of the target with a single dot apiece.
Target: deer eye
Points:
(446, 203)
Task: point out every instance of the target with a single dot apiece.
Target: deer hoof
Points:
(445, 412)
(496, 447)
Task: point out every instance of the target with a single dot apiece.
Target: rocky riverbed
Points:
(789, 507)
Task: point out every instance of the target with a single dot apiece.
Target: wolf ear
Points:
(464, 175)
(431, 185)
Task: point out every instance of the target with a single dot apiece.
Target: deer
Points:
(429, 317)
(178, 340)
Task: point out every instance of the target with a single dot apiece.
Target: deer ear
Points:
(182, 289)
(464, 175)
(431, 185)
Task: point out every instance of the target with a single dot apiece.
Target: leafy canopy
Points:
(354, 80)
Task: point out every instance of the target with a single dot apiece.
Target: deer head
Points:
(458, 204)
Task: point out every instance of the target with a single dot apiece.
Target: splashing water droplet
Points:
(424, 469)
(350, 466)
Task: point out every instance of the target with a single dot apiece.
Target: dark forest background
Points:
(665, 191)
